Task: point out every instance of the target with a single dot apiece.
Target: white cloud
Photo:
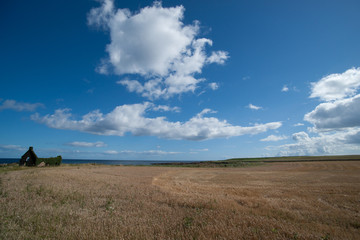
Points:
(199, 150)
(165, 108)
(273, 138)
(218, 57)
(342, 113)
(251, 106)
(353, 137)
(157, 152)
(298, 124)
(285, 89)
(86, 144)
(100, 16)
(337, 86)
(146, 42)
(131, 119)
(336, 121)
(6, 148)
(205, 111)
(177, 84)
(111, 152)
(300, 136)
(144, 153)
(325, 143)
(214, 85)
(151, 89)
(20, 106)
(155, 44)
(157, 87)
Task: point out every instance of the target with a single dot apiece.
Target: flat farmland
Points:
(291, 200)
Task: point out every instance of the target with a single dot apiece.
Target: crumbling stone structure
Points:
(31, 159)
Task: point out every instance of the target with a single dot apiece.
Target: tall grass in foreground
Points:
(279, 201)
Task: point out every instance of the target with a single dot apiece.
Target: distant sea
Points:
(107, 162)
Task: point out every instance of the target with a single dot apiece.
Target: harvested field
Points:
(298, 200)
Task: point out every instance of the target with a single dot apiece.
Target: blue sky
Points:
(179, 80)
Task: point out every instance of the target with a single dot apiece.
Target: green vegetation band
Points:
(53, 161)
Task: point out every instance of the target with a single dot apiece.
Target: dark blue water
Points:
(108, 162)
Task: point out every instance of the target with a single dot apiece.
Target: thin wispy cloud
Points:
(86, 144)
(254, 107)
(165, 108)
(141, 153)
(274, 138)
(20, 106)
(111, 152)
(199, 150)
(9, 147)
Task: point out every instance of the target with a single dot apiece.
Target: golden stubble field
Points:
(312, 200)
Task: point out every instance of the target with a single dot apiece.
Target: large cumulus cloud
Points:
(344, 113)
(155, 44)
(341, 104)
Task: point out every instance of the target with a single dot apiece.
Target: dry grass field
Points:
(309, 200)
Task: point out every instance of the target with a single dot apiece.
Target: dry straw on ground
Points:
(272, 201)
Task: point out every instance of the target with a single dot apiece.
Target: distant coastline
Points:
(233, 162)
(107, 162)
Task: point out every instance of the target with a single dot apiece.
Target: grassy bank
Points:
(212, 164)
(299, 159)
(249, 162)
